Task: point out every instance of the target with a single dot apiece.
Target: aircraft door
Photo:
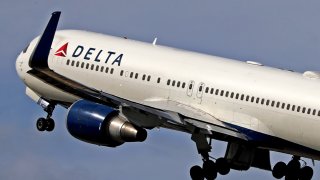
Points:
(200, 92)
(190, 88)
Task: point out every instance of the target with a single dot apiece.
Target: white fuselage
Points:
(204, 72)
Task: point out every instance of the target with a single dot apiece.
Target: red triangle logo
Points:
(62, 51)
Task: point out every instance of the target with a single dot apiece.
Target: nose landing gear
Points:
(292, 171)
(46, 124)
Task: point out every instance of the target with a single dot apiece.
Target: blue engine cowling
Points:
(99, 124)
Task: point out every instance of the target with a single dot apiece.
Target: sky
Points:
(283, 34)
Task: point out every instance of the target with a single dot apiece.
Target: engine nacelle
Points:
(99, 124)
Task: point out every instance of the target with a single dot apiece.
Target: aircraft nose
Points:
(21, 65)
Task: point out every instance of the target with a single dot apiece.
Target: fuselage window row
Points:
(87, 66)
(207, 90)
(261, 101)
(175, 83)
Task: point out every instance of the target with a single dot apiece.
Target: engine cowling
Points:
(99, 124)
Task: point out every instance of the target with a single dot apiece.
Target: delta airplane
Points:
(115, 89)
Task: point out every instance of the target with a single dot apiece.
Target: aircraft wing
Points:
(178, 117)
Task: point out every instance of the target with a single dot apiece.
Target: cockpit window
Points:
(25, 49)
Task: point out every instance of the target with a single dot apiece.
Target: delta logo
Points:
(62, 51)
(90, 53)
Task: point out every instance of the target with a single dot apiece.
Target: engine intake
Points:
(101, 125)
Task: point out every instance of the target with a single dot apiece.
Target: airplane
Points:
(115, 89)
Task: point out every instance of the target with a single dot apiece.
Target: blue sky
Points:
(276, 33)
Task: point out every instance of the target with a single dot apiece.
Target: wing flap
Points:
(210, 128)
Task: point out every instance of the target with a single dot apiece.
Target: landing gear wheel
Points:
(41, 124)
(209, 170)
(306, 173)
(293, 169)
(50, 124)
(279, 170)
(196, 173)
(222, 166)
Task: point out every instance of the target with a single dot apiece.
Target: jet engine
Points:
(102, 125)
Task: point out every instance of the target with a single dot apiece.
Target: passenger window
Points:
(97, 68)
(288, 106)
(200, 88)
(68, 61)
(131, 74)
(136, 76)
(149, 78)
(257, 100)
(168, 82)
(247, 98)
(227, 93)
(72, 63)
(278, 104)
(319, 113)
(242, 97)
(217, 91)
(92, 66)
(207, 90)
(173, 82)
(211, 91)
(303, 110)
(144, 77)
(77, 65)
(190, 86)
(107, 69)
(262, 101)
(183, 85)
(252, 99)
(102, 68)
(267, 102)
(111, 71)
(272, 103)
(87, 66)
(293, 107)
(237, 96)
(158, 81)
(283, 105)
(121, 73)
(314, 112)
(178, 84)
(309, 110)
(298, 109)
(82, 64)
(221, 93)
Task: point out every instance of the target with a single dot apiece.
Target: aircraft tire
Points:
(50, 124)
(209, 170)
(306, 173)
(41, 124)
(222, 166)
(196, 173)
(293, 169)
(279, 170)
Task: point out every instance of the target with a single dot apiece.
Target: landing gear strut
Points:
(209, 169)
(293, 170)
(46, 123)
